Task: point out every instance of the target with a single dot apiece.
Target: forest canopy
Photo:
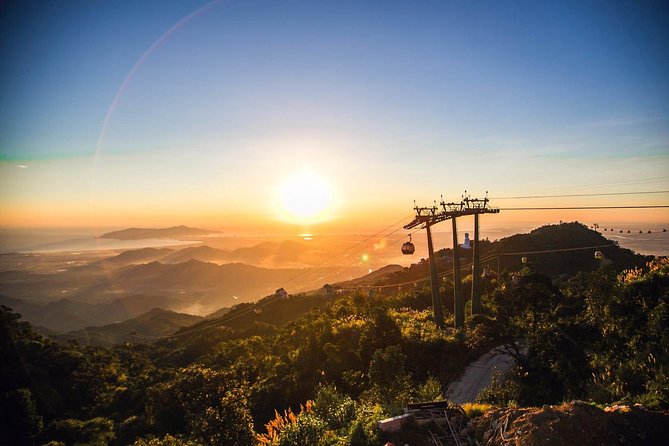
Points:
(327, 375)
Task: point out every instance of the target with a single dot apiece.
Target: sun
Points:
(305, 197)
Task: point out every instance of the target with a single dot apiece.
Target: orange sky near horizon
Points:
(269, 196)
(55, 214)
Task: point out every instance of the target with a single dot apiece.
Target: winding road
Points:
(478, 375)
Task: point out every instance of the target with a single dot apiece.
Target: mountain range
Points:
(285, 254)
(67, 314)
(154, 323)
(174, 232)
(127, 284)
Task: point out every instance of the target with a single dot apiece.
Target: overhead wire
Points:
(220, 321)
(252, 308)
(319, 268)
(567, 208)
(632, 231)
(261, 304)
(602, 194)
(548, 251)
(418, 280)
(607, 184)
(269, 300)
(214, 323)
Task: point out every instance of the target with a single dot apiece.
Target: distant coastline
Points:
(86, 244)
(73, 240)
(174, 232)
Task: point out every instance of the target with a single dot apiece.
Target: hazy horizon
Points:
(78, 239)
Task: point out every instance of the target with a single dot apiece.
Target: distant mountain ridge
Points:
(286, 254)
(155, 322)
(373, 277)
(156, 233)
(67, 314)
(141, 255)
(136, 281)
(159, 275)
(203, 253)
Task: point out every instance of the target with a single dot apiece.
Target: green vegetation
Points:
(359, 360)
(328, 374)
(601, 336)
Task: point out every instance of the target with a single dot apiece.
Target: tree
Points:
(18, 417)
(390, 382)
(383, 332)
(210, 406)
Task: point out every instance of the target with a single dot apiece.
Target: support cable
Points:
(603, 194)
(566, 208)
(223, 320)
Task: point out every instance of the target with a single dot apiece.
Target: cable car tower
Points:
(428, 217)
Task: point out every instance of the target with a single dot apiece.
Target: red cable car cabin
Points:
(408, 248)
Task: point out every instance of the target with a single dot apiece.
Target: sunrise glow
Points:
(305, 197)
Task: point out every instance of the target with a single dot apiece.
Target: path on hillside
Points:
(478, 375)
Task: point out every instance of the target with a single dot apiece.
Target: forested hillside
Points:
(559, 251)
(601, 336)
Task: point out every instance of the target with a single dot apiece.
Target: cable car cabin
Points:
(408, 248)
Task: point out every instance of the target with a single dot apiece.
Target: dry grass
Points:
(474, 410)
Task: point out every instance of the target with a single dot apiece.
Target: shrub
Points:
(500, 392)
(336, 409)
(307, 430)
(430, 390)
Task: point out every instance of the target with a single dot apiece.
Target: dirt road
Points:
(478, 375)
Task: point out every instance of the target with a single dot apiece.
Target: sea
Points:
(72, 240)
(655, 242)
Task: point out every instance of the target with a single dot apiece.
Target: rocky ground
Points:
(575, 423)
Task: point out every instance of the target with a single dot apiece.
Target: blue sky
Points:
(388, 97)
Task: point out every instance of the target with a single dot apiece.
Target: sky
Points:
(158, 113)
